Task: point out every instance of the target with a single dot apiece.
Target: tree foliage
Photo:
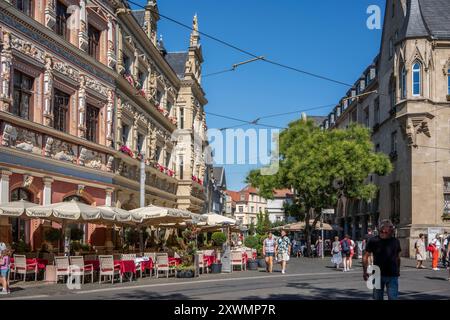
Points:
(321, 166)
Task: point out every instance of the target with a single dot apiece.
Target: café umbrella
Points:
(120, 215)
(214, 219)
(155, 215)
(70, 210)
(15, 208)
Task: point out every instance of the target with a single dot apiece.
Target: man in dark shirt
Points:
(386, 255)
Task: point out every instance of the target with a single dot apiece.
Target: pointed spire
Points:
(161, 47)
(194, 41)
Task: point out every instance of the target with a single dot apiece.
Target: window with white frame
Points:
(417, 78)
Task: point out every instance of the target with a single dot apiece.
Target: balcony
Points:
(36, 139)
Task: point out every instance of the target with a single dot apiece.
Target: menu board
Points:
(226, 261)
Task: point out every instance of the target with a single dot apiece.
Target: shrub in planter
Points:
(253, 264)
(251, 242)
(185, 271)
(219, 238)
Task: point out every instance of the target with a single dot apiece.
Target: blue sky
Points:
(327, 37)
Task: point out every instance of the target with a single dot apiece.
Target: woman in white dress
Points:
(421, 253)
(336, 252)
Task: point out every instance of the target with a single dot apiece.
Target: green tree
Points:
(266, 224)
(259, 223)
(251, 229)
(322, 166)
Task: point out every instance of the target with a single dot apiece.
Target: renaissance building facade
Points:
(88, 92)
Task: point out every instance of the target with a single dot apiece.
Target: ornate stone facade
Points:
(407, 108)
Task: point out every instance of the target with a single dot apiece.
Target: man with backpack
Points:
(346, 245)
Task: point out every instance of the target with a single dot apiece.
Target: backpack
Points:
(345, 246)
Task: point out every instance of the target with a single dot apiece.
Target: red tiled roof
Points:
(282, 193)
(235, 196)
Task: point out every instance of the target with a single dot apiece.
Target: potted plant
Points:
(252, 242)
(185, 271)
(51, 236)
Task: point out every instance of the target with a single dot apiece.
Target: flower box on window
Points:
(126, 150)
(129, 78)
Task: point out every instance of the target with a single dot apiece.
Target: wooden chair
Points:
(201, 263)
(237, 259)
(78, 268)
(162, 263)
(108, 268)
(21, 267)
(62, 267)
(151, 255)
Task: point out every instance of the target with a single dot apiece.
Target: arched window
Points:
(19, 225)
(21, 194)
(403, 83)
(417, 79)
(76, 198)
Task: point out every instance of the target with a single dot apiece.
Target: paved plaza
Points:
(309, 279)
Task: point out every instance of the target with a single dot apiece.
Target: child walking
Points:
(4, 271)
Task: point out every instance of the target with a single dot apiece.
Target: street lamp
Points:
(142, 198)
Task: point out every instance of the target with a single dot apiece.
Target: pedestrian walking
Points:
(269, 251)
(345, 250)
(421, 253)
(318, 246)
(4, 271)
(434, 251)
(367, 237)
(336, 258)
(283, 250)
(352, 253)
(444, 249)
(386, 255)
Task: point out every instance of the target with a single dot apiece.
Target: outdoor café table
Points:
(127, 266)
(95, 264)
(244, 257)
(175, 261)
(209, 260)
(144, 263)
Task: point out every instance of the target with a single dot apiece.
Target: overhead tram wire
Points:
(225, 43)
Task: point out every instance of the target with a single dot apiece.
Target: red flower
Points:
(126, 150)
